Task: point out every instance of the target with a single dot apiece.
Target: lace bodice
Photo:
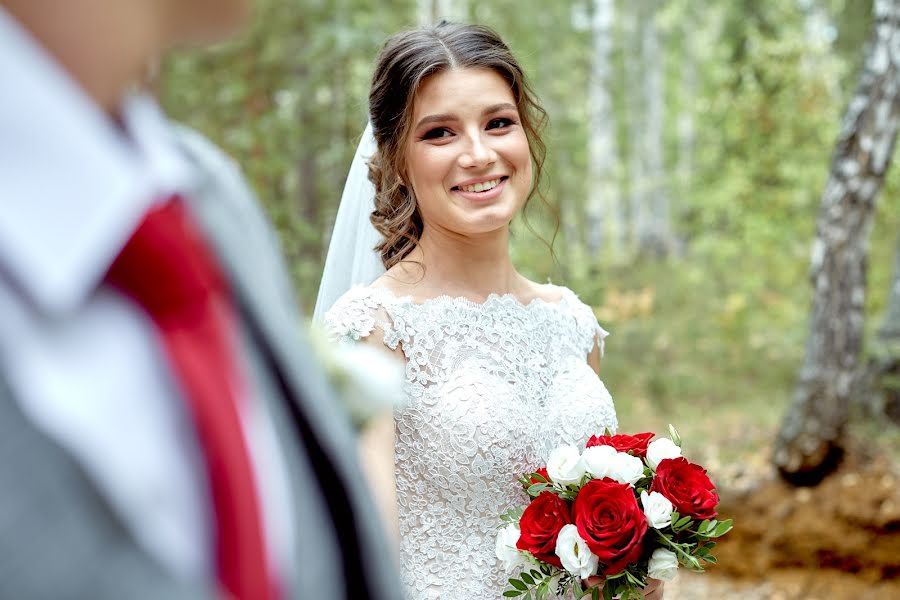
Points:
(491, 389)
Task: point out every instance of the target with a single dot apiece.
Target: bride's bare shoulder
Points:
(400, 279)
(547, 292)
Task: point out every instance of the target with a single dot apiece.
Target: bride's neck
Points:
(466, 266)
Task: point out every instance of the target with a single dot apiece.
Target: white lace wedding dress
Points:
(491, 389)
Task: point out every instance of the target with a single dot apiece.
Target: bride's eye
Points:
(436, 133)
(500, 123)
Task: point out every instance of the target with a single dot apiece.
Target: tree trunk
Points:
(659, 242)
(638, 210)
(604, 210)
(686, 128)
(810, 441)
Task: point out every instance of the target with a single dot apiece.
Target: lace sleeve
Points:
(590, 333)
(357, 314)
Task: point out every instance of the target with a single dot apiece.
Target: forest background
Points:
(689, 144)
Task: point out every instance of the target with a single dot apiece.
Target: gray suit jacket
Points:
(60, 539)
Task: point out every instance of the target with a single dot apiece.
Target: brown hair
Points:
(406, 60)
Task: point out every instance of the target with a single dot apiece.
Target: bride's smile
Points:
(467, 156)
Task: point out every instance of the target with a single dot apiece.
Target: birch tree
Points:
(649, 204)
(639, 217)
(659, 240)
(685, 125)
(810, 441)
(604, 210)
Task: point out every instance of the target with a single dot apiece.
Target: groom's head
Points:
(172, 22)
(106, 44)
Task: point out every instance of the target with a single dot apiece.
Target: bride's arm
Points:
(376, 448)
(594, 356)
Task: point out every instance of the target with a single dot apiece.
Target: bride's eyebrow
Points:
(495, 108)
(435, 119)
(443, 118)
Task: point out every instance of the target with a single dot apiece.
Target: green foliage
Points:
(537, 583)
(722, 322)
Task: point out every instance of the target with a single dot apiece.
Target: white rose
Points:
(626, 468)
(369, 382)
(565, 466)
(661, 449)
(657, 509)
(663, 565)
(598, 460)
(573, 553)
(506, 550)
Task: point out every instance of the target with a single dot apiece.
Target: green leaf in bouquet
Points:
(526, 578)
(513, 515)
(519, 585)
(673, 433)
(578, 591)
(704, 550)
(608, 592)
(681, 523)
(535, 489)
(633, 580)
(721, 528)
(704, 525)
(691, 562)
(711, 559)
(511, 593)
(568, 494)
(540, 478)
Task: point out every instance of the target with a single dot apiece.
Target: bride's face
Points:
(467, 157)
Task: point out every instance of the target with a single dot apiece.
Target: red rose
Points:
(687, 487)
(540, 525)
(610, 522)
(637, 444)
(543, 473)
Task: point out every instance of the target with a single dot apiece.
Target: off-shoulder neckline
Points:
(492, 299)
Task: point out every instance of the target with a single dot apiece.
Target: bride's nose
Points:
(477, 153)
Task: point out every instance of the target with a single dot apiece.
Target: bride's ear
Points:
(404, 184)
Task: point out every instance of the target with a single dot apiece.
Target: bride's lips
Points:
(482, 196)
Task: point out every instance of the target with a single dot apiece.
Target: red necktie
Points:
(168, 270)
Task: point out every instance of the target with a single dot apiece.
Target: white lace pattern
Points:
(491, 389)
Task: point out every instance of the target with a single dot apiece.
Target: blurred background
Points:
(689, 147)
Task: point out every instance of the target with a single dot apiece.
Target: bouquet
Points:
(625, 509)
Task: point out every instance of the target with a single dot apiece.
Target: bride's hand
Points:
(653, 591)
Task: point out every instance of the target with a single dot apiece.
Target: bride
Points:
(499, 369)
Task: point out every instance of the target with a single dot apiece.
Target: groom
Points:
(163, 432)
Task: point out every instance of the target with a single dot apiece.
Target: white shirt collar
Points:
(73, 186)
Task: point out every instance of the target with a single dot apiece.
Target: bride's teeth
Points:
(481, 187)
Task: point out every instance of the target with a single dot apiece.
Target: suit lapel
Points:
(226, 211)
